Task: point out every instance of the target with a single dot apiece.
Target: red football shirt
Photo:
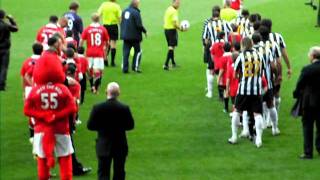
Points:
(47, 100)
(224, 61)
(235, 4)
(46, 32)
(234, 82)
(217, 52)
(84, 63)
(27, 66)
(97, 38)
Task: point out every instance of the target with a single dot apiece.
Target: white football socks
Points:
(234, 125)
(210, 79)
(258, 124)
(245, 124)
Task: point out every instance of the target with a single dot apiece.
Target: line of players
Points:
(245, 55)
(76, 65)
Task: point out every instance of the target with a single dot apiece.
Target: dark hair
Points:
(74, 6)
(69, 33)
(245, 13)
(256, 38)
(221, 35)
(258, 16)
(69, 53)
(81, 50)
(246, 43)
(253, 18)
(37, 48)
(237, 46)
(267, 23)
(227, 47)
(71, 46)
(216, 9)
(234, 27)
(52, 41)
(264, 31)
(71, 68)
(53, 19)
(256, 25)
(216, 14)
(2, 14)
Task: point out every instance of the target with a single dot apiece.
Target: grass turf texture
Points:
(179, 133)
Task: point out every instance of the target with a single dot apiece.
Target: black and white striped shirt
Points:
(249, 65)
(204, 33)
(265, 49)
(278, 39)
(243, 25)
(214, 27)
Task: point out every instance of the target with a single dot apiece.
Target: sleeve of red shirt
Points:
(84, 34)
(70, 105)
(39, 37)
(264, 81)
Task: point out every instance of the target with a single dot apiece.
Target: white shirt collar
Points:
(35, 56)
(95, 25)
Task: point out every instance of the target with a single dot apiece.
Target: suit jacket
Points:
(308, 87)
(111, 119)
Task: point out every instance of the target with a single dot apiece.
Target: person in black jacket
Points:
(7, 25)
(308, 92)
(111, 119)
(131, 34)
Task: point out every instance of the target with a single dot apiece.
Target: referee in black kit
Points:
(131, 34)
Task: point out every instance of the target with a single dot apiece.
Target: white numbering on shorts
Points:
(49, 100)
(127, 15)
(96, 39)
(70, 24)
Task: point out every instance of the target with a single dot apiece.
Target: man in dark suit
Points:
(308, 92)
(111, 119)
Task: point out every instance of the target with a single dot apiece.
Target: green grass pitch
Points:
(179, 133)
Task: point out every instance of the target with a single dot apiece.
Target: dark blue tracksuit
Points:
(131, 34)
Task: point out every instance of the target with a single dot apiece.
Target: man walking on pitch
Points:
(5, 43)
(110, 13)
(131, 34)
(75, 23)
(171, 25)
(111, 119)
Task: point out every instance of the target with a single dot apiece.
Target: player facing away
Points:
(47, 32)
(110, 13)
(97, 39)
(75, 23)
(249, 66)
(171, 25)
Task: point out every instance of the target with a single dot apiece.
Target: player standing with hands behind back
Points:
(171, 25)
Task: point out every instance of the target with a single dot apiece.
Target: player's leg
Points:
(98, 69)
(126, 52)
(235, 120)
(273, 113)
(245, 124)
(226, 101)
(136, 57)
(174, 45)
(210, 79)
(90, 77)
(65, 164)
(256, 108)
(113, 46)
(83, 84)
(43, 169)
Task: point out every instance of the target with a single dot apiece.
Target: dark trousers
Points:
(4, 64)
(127, 45)
(104, 165)
(83, 84)
(309, 118)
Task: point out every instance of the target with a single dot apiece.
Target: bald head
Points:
(314, 53)
(113, 90)
(95, 17)
(135, 3)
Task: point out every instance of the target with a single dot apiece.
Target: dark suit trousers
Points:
(311, 117)
(104, 165)
(4, 64)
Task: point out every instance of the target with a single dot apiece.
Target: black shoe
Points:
(165, 67)
(304, 156)
(83, 171)
(113, 64)
(125, 72)
(106, 63)
(175, 66)
(138, 71)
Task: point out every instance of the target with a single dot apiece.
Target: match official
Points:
(111, 119)
(171, 25)
(7, 25)
(110, 13)
(131, 34)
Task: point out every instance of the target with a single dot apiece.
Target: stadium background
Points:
(179, 133)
